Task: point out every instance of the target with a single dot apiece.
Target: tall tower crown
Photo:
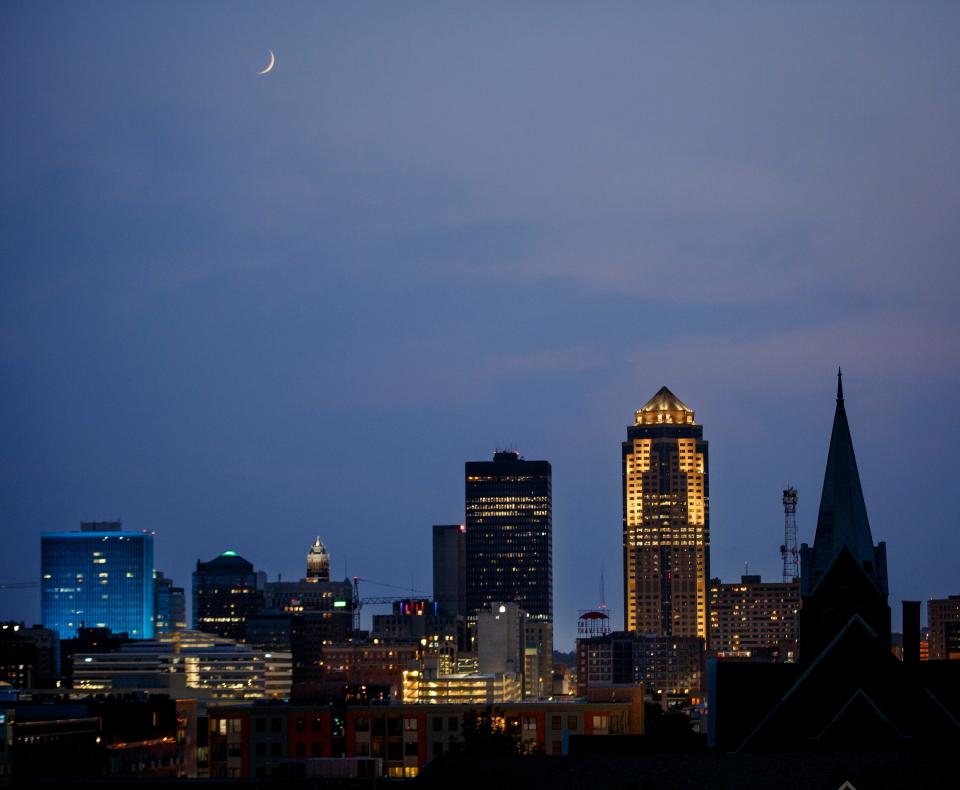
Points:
(318, 562)
(664, 407)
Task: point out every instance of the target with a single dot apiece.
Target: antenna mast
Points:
(788, 551)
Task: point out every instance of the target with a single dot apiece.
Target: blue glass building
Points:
(99, 577)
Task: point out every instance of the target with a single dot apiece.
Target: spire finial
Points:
(839, 384)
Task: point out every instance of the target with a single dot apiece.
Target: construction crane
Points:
(358, 602)
(18, 585)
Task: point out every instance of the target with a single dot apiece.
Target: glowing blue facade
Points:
(99, 577)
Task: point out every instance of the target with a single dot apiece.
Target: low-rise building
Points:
(943, 621)
(754, 617)
(671, 666)
(213, 667)
(266, 740)
(461, 688)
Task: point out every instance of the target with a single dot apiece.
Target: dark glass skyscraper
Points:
(509, 537)
(450, 568)
(99, 577)
(226, 591)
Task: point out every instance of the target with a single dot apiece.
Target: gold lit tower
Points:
(666, 521)
(318, 562)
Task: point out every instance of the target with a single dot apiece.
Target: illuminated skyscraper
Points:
(99, 577)
(509, 538)
(666, 521)
(318, 562)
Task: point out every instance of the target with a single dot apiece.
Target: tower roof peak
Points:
(664, 406)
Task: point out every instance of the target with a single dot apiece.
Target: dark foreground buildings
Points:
(849, 693)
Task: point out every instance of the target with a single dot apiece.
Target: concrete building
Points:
(500, 639)
(666, 521)
(943, 621)
(432, 688)
(753, 617)
(210, 667)
(98, 577)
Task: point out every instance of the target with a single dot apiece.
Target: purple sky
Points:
(242, 310)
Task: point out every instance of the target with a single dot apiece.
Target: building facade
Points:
(943, 620)
(752, 617)
(169, 605)
(666, 667)
(509, 537)
(255, 741)
(28, 656)
(99, 577)
(450, 568)
(666, 521)
(216, 668)
(226, 591)
(318, 562)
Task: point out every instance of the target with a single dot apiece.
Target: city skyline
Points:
(240, 311)
(663, 401)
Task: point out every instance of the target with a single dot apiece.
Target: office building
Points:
(99, 577)
(943, 621)
(509, 543)
(537, 659)
(450, 568)
(500, 639)
(752, 617)
(212, 667)
(28, 656)
(666, 521)
(169, 605)
(226, 591)
(318, 562)
(666, 667)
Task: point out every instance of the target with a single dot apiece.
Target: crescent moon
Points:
(270, 65)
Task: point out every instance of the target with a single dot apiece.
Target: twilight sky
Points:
(242, 310)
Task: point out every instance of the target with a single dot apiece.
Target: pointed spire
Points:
(842, 521)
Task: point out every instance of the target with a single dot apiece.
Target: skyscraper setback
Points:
(666, 521)
(509, 537)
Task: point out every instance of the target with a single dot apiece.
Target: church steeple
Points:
(842, 521)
